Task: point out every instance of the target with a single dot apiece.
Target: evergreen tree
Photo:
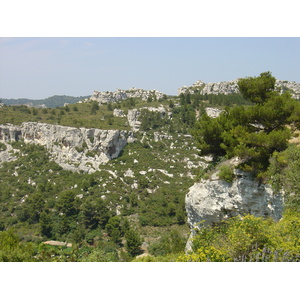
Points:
(254, 132)
(133, 242)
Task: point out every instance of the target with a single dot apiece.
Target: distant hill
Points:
(54, 101)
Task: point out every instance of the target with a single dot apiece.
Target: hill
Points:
(51, 102)
(107, 179)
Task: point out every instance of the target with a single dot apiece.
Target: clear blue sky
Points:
(37, 68)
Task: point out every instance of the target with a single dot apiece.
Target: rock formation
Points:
(106, 97)
(210, 201)
(134, 114)
(133, 119)
(228, 87)
(213, 112)
(72, 148)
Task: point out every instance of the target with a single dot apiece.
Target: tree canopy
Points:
(257, 89)
(251, 132)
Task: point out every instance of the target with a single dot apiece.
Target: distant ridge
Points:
(51, 102)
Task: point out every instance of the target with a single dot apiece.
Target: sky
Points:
(40, 67)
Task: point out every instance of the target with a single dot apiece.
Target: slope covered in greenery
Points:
(135, 203)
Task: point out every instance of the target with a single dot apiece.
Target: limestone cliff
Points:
(106, 97)
(228, 87)
(210, 201)
(72, 148)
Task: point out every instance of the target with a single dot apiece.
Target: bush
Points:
(248, 239)
(3, 147)
(171, 242)
(226, 173)
(205, 254)
(13, 250)
(133, 242)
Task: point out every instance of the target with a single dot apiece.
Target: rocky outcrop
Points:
(213, 112)
(72, 148)
(119, 113)
(133, 116)
(106, 97)
(133, 119)
(228, 87)
(210, 201)
(8, 133)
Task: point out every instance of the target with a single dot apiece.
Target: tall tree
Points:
(133, 242)
(251, 132)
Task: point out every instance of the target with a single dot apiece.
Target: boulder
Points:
(210, 201)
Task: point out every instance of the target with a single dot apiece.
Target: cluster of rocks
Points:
(72, 148)
(229, 87)
(291, 86)
(224, 87)
(213, 112)
(106, 97)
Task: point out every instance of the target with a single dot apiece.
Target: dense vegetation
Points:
(138, 198)
(252, 132)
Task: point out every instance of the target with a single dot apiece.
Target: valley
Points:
(111, 175)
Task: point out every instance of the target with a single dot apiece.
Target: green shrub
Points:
(3, 147)
(226, 173)
(170, 242)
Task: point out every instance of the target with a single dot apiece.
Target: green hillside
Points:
(135, 203)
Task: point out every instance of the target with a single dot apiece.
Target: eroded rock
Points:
(210, 201)
(72, 148)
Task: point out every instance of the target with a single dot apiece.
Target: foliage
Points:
(205, 254)
(257, 89)
(248, 239)
(3, 147)
(226, 173)
(133, 242)
(162, 258)
(87, 115)
(254, 132)
(215, 100)
(283, 173)
(95, 107)
(13, 250)
(151, 120)
(170, 242)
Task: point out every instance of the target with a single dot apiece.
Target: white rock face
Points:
(9, 133)
(211, 201)
(213, 112)
(105, 97)
(214, 200)
(119, 113)
(228, 87)
(72, 148)
(133, 119)
(224, 87)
